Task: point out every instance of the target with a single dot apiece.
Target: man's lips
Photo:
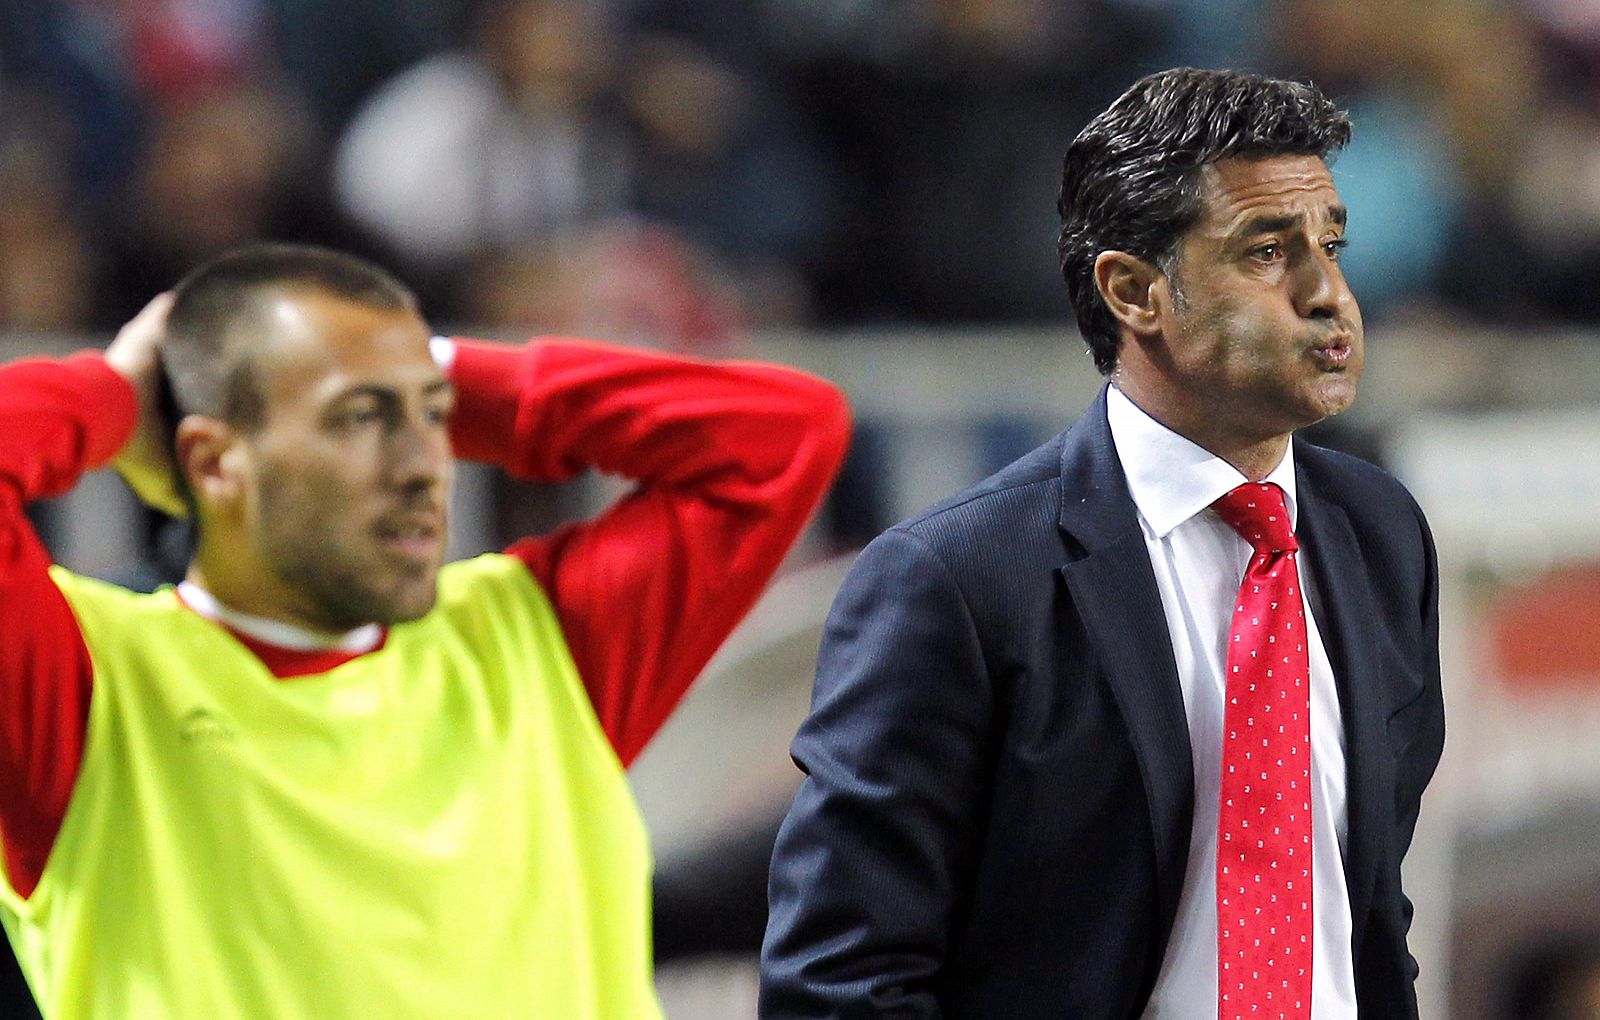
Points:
(1334, 350)
(416, 536)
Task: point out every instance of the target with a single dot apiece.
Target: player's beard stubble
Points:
(331, 549)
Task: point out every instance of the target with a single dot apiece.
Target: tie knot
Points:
(1257, 511)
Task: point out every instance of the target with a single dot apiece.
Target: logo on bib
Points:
(202, 724)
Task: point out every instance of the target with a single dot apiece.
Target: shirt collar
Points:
(275, 632)
(1170, 478)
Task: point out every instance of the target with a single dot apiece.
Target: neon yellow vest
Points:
(438, 829)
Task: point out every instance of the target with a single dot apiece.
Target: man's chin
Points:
(388, 608)
(1326, 398)
(411, 606)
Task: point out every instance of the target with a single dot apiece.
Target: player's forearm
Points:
(731, 459)
(556, 407)
(58, 419)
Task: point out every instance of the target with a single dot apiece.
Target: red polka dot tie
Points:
(1264, 818)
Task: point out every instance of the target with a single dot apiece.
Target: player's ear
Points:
(1136, 291)
(211, 458)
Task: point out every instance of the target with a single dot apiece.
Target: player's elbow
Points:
(834, 422)
(825, 433)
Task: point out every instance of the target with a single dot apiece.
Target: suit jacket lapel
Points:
(1114, 591)
(1344, 600)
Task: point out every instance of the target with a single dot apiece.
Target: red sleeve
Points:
(57, 420)
(730, 459)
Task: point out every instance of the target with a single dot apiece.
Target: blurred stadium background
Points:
(866, 188)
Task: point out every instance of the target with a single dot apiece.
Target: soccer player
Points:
(325, 776)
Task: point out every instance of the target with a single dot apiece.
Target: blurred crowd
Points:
(680, 171)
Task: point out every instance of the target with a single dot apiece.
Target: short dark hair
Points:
(1130, 180)
(208, 353)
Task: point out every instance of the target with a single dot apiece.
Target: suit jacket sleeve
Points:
(867, 877)
(1426, 714)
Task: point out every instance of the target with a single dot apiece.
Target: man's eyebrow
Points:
(388, 393)
(381, 393)
(1274, 224)
(1266, 225)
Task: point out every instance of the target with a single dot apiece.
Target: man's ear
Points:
(209, 455)
(1136, 291)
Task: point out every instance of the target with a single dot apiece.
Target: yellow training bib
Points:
(437, 829)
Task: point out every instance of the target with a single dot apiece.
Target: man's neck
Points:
(1252, 455)
(245, 592)
(280, 633)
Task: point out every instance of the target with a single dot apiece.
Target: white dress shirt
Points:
(1199, 562)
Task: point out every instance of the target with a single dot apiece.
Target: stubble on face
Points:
(1261, 335)
(320, 547)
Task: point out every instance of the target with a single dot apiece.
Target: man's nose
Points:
(1321, 290)
(419, 455)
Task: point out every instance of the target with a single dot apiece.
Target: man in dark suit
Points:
(1082, 746)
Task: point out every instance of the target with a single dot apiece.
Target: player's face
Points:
(350, 470)
(1263, 335)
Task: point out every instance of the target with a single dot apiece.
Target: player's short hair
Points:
(213, 327)
(1130, 181)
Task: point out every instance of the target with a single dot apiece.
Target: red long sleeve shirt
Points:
(729, 458)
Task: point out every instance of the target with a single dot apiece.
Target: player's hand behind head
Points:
(146, 461)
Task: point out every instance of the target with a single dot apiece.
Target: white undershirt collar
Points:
(275, 632)
(1171, 478)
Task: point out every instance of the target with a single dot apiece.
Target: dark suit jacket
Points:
(995, 820)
